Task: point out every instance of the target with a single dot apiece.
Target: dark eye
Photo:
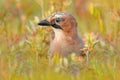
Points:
(58, 20)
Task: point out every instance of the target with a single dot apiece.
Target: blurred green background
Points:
(24, 44)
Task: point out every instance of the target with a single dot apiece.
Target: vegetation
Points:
(24, 44)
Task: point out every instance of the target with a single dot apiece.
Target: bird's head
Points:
(60, 20)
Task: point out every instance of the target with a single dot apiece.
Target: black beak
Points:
(44, 23)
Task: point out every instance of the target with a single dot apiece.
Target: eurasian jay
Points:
(65, 39)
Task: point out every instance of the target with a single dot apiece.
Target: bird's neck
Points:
(62, 35)
(58, 34)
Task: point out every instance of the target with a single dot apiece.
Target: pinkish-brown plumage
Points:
(65, 39)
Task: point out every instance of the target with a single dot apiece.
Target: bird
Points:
(64, 38)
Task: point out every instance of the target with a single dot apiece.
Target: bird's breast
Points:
(64, 44)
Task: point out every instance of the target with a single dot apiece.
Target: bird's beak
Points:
(47, 23)
(44, 23)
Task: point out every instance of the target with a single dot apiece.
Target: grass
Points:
(24, 45)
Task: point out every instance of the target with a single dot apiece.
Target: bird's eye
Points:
(58, 20)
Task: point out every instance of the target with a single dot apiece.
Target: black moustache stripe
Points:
(56, 26)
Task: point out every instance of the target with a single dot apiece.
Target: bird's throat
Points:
(59, 35)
